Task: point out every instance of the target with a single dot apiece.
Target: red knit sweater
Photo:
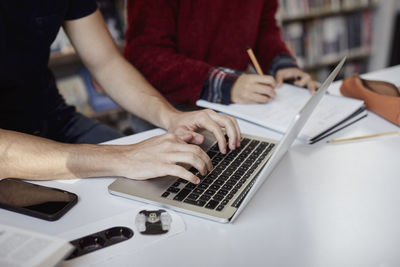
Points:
(175, 43)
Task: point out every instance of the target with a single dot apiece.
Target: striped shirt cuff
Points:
(217, 87)
(282, 61)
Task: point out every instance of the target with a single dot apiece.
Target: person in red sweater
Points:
(191, 49)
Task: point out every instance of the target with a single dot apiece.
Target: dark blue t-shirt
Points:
(29, 99)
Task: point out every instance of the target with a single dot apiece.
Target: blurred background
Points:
(317, 32)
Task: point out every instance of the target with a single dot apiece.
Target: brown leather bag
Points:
(381, 97)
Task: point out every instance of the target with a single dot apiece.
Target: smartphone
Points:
(35, 200)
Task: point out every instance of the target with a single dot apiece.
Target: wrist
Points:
(218, 85)
(86, 160)
(168, 118)
(282, 61)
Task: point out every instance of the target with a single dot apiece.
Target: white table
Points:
(323, 205)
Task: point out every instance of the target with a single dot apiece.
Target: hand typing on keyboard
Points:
(160, 156)
(225, 181)
(186, 124)
(166, 154)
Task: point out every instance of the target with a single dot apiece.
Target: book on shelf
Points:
(331, 115)
(354, 30)
(366, 25)
(294, 37)
(334, 38)
(23, 248)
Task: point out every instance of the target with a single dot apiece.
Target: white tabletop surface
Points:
(323, 205)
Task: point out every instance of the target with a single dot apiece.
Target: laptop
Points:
(224, 192)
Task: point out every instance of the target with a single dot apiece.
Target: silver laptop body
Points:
(153, 191)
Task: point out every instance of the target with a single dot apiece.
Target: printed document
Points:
(20, 247)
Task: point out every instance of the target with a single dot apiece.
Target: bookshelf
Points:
(325, 12)
(320, 33)
(353, 55)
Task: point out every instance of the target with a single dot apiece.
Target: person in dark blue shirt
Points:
(41, 137)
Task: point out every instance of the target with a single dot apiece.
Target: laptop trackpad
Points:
(145, 188)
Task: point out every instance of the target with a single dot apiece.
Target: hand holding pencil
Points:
(253, 88)
(292, 75)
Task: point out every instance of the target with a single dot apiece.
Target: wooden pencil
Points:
(254, 61)
(362, 137)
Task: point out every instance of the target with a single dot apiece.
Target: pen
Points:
(254, 61)
(258, 68)
(362, 137)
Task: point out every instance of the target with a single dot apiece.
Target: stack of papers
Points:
(332, 113)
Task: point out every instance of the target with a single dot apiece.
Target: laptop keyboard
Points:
(230, 173)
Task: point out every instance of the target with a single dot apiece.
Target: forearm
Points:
(129, 88)
(30, 157)
(218, 85)
(118, 78)
(282, 61)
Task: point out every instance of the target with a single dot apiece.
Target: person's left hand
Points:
(300, 78)
(185, 125)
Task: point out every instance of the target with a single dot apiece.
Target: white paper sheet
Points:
(278, 113)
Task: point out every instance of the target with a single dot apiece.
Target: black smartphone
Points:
(35, 200)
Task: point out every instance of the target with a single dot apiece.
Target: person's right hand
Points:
(160, 156)
(253, 88)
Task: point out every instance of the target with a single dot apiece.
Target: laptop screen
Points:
(293, 131)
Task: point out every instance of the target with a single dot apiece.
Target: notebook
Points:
(332, 114)
(224, 192)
